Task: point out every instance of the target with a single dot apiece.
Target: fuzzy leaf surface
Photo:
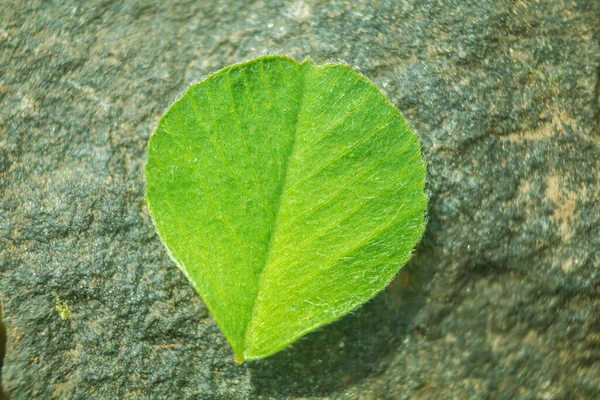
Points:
(288, 194)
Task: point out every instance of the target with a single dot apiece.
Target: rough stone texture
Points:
(502, 299)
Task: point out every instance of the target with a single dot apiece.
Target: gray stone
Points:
(502, 299)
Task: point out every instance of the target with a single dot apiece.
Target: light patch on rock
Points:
(565, 200)
(299, 11)
(556, 126)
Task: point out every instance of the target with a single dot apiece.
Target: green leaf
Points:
(287, 193)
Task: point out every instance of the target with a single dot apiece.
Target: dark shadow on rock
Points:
(358, 346)
(2, 351)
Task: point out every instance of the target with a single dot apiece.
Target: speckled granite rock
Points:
(502, 299)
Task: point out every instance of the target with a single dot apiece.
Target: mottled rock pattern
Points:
(502, 299)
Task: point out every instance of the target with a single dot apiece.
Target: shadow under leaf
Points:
(358, 346)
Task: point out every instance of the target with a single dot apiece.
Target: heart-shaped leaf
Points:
(287, 193)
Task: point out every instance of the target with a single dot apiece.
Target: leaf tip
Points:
(239, 358)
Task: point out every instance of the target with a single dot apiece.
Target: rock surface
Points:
(502, 299)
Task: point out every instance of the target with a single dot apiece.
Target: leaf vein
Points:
(342, 154)
(282, 184)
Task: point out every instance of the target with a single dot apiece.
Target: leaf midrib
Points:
(280, 193)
